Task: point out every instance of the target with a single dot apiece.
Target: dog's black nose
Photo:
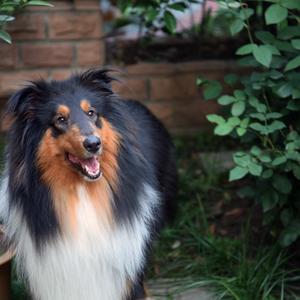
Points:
(92, 143)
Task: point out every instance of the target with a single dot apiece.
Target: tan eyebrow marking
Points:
(85, 105)
(63, 110)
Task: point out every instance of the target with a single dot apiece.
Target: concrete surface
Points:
(161, 290)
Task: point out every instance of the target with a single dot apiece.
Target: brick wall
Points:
(170, 90)
(51, 42)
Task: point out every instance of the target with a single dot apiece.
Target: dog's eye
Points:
(91, 113)
(61, 120)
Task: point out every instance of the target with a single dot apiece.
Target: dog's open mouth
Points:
(89, 167)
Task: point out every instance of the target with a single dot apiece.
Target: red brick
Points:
(61, 74)
(207, 65)
(192, 114)
(10, 82)
(9, 56)
(75, 26)
(151, 69)
(90, 54)
(27, 27)
(87, 4)
(132, 89)
(47, 55)
(163, 111)
(174, 87)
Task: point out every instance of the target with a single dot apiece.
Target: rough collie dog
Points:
(86, 183)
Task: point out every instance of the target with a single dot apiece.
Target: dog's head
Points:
(64, 119)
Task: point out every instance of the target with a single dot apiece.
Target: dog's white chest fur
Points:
(95, 264)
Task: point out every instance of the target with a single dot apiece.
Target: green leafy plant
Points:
(8, 8)
(263, 112)
(154, 15)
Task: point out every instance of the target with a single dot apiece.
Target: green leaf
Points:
(180, 6)
(284, 46)
(284, 90)
(244, 123)
(286, 216)
(234, 4)
(255, 169)
(263, 55)
(39, 3)
(296, 171)
(254, 102)
(265, 36)
(215, 119)
(223, 129)
(246, 49)
(293, 64)
(241, 131)
(267, 174)
(237, 173)
(296, 44)
(265, 158)
(236, 26)
(170, 21)
(5, 36)
(123, 5)
(291, 233)
(239, 95)
(200, 80)
(238, 108)
(241, 159)
(274, 74)
(259, 116)
(5, 18)
(293, 105)
(289, 32)
(231, 79)
(296, 93)
(273, 50)
(275, 14)
(225, 100)
(246, 13)
(282, 184)
(276, 125)
(152, 14)
(290, 4)
(279, 161)
(269, 199)
(273, 115)
(255, 150)
(258, 127)
(287, 238)
(234, 121)
(212, 90)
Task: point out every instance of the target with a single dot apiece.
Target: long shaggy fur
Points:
(77, 236)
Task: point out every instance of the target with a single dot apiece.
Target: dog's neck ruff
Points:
(98, 262)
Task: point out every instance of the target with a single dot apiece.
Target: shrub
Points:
(153, 15)
(8, 8)
(263, 112)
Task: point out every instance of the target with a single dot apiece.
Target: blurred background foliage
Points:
(8, 8)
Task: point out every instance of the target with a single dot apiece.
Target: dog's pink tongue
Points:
(91, 165)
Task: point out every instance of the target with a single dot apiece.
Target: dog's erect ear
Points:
(99, 79)
(17, 104)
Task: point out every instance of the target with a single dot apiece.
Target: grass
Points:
(243, 267)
